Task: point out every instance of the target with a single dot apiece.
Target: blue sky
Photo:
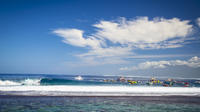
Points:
(97, 37)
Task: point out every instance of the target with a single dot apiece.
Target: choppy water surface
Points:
(53, 94)
(44, 79)
(99, 104)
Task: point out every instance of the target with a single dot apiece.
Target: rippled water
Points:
(99, 104)
(42, 79)
(50, 83)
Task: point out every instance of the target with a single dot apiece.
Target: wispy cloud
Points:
(109, 52)
(125, 35)
(198, 21)
(138, 56)
(194, 62)
(75, 38)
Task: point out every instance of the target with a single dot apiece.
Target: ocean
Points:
(88, 93)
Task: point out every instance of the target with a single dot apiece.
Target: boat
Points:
(78, 78)
(121, 79)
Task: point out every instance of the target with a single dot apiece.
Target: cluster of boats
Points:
(153, 81)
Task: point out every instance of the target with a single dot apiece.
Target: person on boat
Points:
(169, 82)
(121, 79)
(154, 81)
(186, 84)
(132, 82)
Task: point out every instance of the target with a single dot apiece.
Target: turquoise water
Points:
(92, 104)
(45, 79)
(99, 104)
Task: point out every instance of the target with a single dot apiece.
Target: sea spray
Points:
(20, 82)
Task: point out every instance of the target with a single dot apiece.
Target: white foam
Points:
(99, 90)
(8, 82)
(31, 82)
(22, 82)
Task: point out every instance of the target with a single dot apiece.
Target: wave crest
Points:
(22, 82)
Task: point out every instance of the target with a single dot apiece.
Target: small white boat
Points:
(78, 78)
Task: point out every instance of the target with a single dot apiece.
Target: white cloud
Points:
(100, 56)
(138, 56)
(194, 62)
(97, 54)
(142, 32)
(117, 39)
(75, 37)
(109, 52)
(93, 61)
(198, 21)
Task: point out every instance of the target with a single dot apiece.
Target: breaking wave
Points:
(54, 81)
(66, 87)
(48, 81)
(21, 82)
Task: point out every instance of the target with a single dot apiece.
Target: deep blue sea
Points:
(73, 93)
